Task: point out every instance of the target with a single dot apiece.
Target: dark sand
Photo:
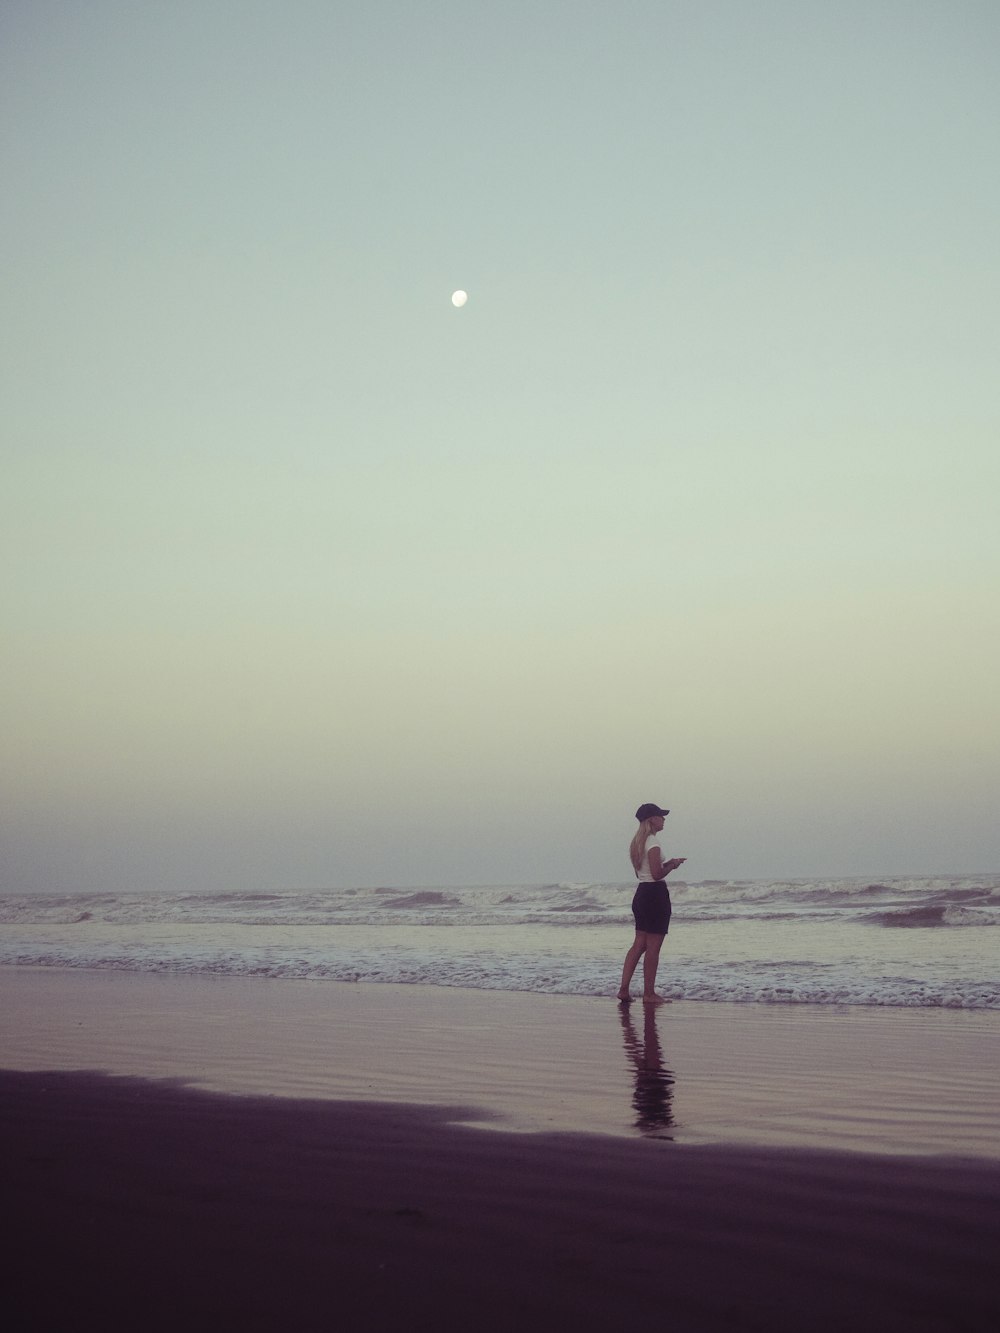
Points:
(143, 1205)
(191, 1154)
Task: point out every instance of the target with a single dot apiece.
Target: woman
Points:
(651, 904)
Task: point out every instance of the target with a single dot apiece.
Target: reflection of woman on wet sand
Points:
(651, 904)
(653, 1097)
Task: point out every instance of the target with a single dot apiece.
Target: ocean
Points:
(915, 942)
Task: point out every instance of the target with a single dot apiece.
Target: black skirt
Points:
(651, 907)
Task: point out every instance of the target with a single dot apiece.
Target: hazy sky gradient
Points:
(310, 578)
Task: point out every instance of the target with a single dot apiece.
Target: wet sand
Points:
(182, 1152)
(869, 1080)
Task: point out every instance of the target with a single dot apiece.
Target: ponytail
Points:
(637, 847)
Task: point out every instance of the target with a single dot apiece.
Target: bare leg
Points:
(649, 965)
(631, 962)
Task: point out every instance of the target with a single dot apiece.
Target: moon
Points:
(459, 298)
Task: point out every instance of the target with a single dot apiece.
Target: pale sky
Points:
(310, 578)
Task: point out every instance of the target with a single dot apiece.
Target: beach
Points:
(251, 1153)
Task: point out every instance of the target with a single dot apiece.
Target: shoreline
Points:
(907, 1082)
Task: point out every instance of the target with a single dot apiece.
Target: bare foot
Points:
(624, 997)
(654, 1000)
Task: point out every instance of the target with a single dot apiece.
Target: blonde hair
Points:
(637, 847)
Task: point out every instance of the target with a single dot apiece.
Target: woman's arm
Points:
(659, 868)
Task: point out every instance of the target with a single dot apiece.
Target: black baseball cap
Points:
(649, 811)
